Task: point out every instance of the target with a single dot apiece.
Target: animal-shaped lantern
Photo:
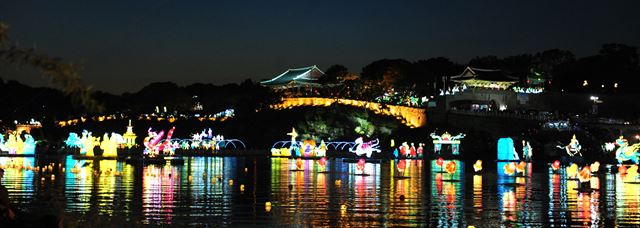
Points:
(365, 148)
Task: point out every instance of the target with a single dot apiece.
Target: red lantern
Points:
(556, 165)
(402, 164)
(440, 162)
(360, 165)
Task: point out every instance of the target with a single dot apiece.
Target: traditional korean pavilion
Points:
(305, 77)
(484, 79)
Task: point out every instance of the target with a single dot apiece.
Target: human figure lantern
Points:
(446, 139)
(574, 147)
(15, 144)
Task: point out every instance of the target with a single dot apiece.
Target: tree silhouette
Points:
(65, 75)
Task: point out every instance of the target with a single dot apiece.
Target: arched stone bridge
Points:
(409, 116)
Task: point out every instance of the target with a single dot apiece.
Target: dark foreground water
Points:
(236, 191)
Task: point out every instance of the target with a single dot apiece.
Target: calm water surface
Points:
(234, 191)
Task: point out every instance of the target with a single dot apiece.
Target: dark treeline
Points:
(614, 63)
(614, 69)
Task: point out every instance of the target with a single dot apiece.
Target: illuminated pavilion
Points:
(483, 89)
(297, 80)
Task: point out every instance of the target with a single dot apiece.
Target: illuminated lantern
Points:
(632, 172)
(509, 168)
(521, 167)
(299, 164)
(440, 162)
(622, 169)
(478, 166)
(360, 165)
(556, 165)
(322, 163)
(572, 170)
(267, 206)
(451, 167)
(595, 167)
(402, 164)
(585, 174)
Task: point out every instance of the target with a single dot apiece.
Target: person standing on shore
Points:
(5, 210)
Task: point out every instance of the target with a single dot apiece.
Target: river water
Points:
(236, 191)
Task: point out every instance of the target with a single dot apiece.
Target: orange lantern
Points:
(451, 167)
(299, 164)
(510, 168)
(585, 174)
(521, 167)
(622, 169)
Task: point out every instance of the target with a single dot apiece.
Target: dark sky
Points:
(125, 45)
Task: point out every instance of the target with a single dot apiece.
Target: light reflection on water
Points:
(234, 190)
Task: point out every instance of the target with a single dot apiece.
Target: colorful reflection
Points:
(447, 197)
(405, 190)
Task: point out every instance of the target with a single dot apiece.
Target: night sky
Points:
(125, 45)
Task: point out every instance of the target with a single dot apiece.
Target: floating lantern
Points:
(53, 176)
(190, 178)
(451, 167)
(632, 171)
(572, 170)
(322, 163)
(521, 167)
(477, 166)
(622, 169)
(509, 168)
(343, 207)
(555, 165)
(299, 164)
(440, 162)
(360, 165)
(267, 206)
(338, 182)
(585, 174)
(245, 170)
(595, 167)
(213, 180)
(242, 187)
(230, 182)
